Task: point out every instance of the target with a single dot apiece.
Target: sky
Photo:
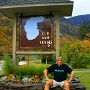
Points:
(31, 27)
(81, 7)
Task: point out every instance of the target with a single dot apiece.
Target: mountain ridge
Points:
(78, 20)
(70, 26)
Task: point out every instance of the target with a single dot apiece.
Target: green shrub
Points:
(23, 59)
(8, 65)
(50, 58)
(30, 70)
(76, 55)
(80, 61)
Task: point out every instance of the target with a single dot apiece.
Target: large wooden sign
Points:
(44, 39)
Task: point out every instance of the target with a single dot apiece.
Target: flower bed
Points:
(11, 77)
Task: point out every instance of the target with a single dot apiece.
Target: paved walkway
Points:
(77, 71)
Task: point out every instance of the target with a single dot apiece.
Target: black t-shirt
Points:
(60, 73)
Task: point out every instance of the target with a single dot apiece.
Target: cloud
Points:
(81, 7)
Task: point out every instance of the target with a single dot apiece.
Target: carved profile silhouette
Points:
(31, 27)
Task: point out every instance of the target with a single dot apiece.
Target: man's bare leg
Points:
(66, 85)
(48, 84)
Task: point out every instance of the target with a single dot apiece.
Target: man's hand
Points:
(68, 81)
(71, 77)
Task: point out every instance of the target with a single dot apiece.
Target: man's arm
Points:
(71, 76)
(46, 74)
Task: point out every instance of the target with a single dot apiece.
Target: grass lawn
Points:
(84, 78)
